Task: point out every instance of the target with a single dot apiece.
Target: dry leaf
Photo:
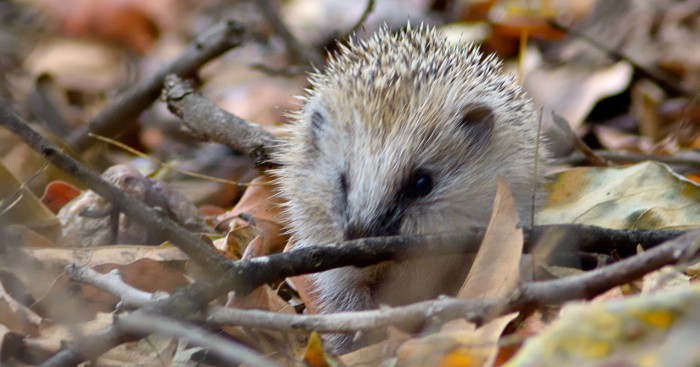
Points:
(646, 195)
(54, 336)
(57, 194)
(496, 268)
(260, 206)
(495, 273)
(374, 354)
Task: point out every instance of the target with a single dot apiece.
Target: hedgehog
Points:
(403, 133)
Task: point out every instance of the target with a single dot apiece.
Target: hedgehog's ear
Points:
(477, 120)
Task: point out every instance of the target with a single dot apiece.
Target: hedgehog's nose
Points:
(389, 224)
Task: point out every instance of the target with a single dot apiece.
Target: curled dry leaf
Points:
(57, 194)
(90, 220)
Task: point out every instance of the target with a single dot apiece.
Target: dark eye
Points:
(420, 184)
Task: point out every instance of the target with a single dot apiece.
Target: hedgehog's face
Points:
(419, 173)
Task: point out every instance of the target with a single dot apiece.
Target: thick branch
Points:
(129, 105)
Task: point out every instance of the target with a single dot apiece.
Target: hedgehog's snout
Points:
(388, 223)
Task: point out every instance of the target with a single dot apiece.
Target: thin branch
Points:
(113, 283)
(129, 105)
(593, 239)
(685, 158)
(680, 250)
(234, 353)
(207, 121)
(533, 294)
(183, 304)
(368, 10)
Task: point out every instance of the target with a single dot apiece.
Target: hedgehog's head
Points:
(404, 133)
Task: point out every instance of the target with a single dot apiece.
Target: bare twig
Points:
(680, 250)
(578, 143)
(534, 294)
(207, 121)
(112, 119)
(184, 304)
(113, 283)
(593, 239)
(368, 10)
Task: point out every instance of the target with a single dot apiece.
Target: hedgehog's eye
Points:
(420, 184)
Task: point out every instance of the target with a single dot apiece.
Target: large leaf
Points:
(646, 195)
